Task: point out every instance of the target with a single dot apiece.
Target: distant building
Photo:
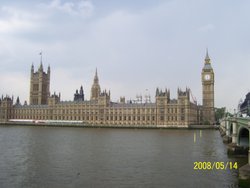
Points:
(245, 105)
(100, 110)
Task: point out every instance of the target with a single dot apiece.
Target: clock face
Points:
(207, 77)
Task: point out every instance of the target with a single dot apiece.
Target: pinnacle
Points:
(207, 56)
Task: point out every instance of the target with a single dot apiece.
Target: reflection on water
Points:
(77, 157)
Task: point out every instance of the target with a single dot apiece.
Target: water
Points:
(85, 157)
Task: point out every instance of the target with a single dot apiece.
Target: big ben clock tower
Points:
(207, 77)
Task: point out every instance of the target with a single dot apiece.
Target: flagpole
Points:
(41, 54)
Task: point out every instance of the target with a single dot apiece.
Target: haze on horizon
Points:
(136, 46)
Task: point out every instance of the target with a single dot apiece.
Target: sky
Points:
(136, 46)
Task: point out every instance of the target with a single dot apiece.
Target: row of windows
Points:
(124, 115)
(108, 118)
(45, 111)
(171, 110)
(84, 109)
(94, 110)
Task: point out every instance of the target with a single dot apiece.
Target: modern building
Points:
(100, 110)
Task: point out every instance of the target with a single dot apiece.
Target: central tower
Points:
(95, 89)
(207, 77)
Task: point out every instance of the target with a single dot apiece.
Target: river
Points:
(100, 157)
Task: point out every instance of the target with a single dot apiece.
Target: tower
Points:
(162, 98)
(6, 108)
(79, 96)
(39, 86)
(207, 77)
(95, 89)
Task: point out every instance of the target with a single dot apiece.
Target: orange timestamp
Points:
(206, 165)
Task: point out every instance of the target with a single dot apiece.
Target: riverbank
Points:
(82, 125)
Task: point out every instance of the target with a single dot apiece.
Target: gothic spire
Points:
(96, 80)
(48, 71)
(207, 63)
(41, 62)
(32, 68)
(17, 100)
(41, 54)
(157, 92)
(41, 66)
(81, 90)
(207, 58)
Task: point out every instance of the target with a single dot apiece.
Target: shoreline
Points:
(80, 125)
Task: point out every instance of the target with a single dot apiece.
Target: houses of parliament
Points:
(100, 110)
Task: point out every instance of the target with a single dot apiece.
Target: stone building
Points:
(207, 77)
(95, 89)
(39, 86)
(100, 110)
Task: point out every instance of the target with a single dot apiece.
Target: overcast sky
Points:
(136, 46)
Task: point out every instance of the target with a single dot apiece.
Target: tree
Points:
(220, 113)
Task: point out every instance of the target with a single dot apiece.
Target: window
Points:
(35, 87)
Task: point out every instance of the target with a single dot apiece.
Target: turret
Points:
(48, 71)
(104, 98)
(32, 69)
(41, 68)
(157, 92)
(54, 99)
(162, 97)
(6, 109)
(81, 91)
(184, 94)
(18, 101)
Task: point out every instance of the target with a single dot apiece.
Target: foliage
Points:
(206, 122)
(220, 113)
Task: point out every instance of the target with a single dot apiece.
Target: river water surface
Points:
(98, 157)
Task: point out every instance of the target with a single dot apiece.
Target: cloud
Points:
(83, 8)
(14, 20)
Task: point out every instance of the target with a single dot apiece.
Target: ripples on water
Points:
(79, 157)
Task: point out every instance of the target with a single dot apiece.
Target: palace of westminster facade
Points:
(100, 110)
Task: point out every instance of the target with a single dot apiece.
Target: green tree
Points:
(220, 113)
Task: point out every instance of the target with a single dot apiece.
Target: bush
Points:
(206, 122)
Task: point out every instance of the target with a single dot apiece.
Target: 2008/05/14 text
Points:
(215, 165)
